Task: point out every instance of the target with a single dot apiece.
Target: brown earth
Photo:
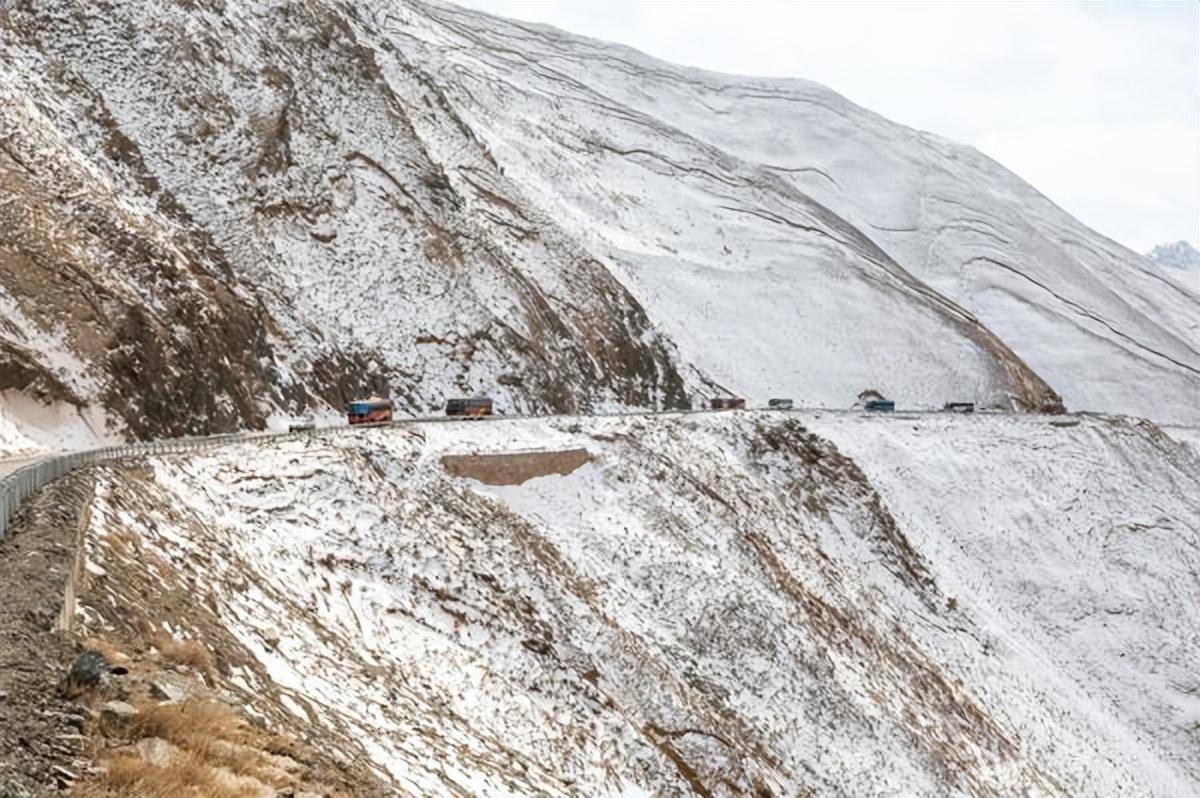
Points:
(187, 732)
(514, 468)
(41, 732)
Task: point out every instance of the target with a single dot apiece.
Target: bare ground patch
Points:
(514, 468)
(41, 744)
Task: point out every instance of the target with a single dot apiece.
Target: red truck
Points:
(727, 403)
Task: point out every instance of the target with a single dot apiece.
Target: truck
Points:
(779, 404)
(474, 407)
(306, 424)
(727, 403)
(373, 410)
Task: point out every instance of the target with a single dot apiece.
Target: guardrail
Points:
(18, 486)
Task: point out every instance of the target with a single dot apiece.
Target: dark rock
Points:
(537, 646)
(74, 721)
(87, 671)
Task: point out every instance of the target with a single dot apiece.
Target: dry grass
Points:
(212, 731)
(185, 776)
(214, 748)
(111, 653)
(121, 542)
(190, 722)
(189, 653)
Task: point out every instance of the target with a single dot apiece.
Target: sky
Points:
(1097, 105)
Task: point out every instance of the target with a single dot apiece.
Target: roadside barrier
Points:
(23, 483)
(18, 486)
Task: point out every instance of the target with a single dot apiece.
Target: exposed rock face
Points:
(516, 468)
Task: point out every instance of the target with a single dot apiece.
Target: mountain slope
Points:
(221, 214)
(237, 150)
(686, 177)
(714, 604)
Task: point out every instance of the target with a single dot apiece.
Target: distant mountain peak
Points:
(1180, 255)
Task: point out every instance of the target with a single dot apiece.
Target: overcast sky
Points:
(1096, 104)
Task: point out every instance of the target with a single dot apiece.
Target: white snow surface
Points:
(992, 605)
(773, 228)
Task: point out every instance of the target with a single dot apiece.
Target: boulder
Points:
(88, 670)
(117, 713)
(155, 750)
(168, 690)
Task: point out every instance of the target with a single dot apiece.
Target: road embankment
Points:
(514, 468)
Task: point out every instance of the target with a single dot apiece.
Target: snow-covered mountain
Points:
(805, 189)
(220, 213)
(1180, 255)
(713, 604)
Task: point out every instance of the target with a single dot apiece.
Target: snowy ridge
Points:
(1180, 255)
(717, 603)
(220, 215)
(779, 196)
